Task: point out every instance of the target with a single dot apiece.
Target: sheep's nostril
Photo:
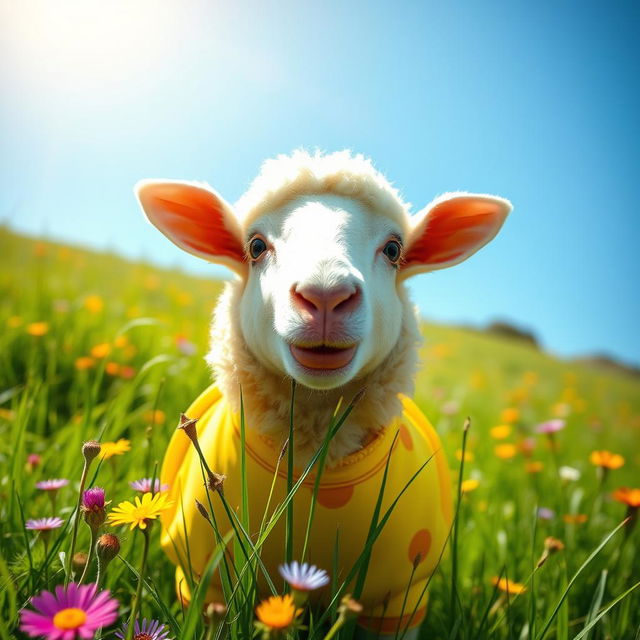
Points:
(348, 302)
(334, 300)
(305, 299)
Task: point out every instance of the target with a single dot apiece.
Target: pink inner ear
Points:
(455, 229)
(193, 217)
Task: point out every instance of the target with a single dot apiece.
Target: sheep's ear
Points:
(195, 218)
(452, 228)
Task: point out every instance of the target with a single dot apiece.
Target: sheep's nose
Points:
(325, 300)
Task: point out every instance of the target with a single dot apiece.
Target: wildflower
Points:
(606, 460)
(33, 460)
(509, 415)
(38, 329)
(544, 513)
(505, 451)
(569, 474)
(155, 417)
(139, 514)
(469, 485)
(508, 586)
(144, 485)
(79, 561)
(500, 432)
(277, 612)
(92, 508)
(551, 545)
(107, 547)
(101, 350)
(527, 446)
(550, 426)
(84, 362)
(303, 577)
(349, 606)
(44, 524)
(52, 485)
(112, 368)
(90, 450)
(152, 630)
(110, 449)
(533, 466)
(185, 347)
(630, 497)
(120, 342)
(75, 612)
(93, 304)
(575, 518)
(126, 373)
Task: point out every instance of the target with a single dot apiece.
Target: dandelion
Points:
(93, 304)
(144, 485)
(606, 460)
(469, 485)
(303, 577)
(500, 432)
(52, 485)
(141, 512)
(100, 351)
(509, 415)
(110, 449)
(569, 474)
(277, 612)
(505, 451)
(84, 362)
(37, 329)
(44, 524)
(508, 586)
(152, 630)
(75, 612)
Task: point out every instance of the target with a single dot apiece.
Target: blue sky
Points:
(537, 102)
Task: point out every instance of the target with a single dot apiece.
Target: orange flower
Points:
(469, 485)
(468, 455)
(38, 329)
(509, 415)
(505, 451)
(575, 518)
(278, 612)
(535, 466)
(84, 362)
(500, 432)
(630, 497)
(112, 368)
(127, 372)
(93, 304)
(101, 350)
(121, 341)
(508, 586)
(155, 417)
(606, 459)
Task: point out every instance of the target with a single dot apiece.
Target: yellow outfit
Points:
(415, 532)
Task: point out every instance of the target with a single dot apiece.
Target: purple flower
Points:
(303, 577)
(144, 485)
(93, 499)
(52, 485)
(77, 612)
(550, 426)
(152, 630)
(44, 524)
(546, 514)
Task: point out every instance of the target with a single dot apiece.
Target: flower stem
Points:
(135, 607)
(94, 537)
(336, 627)
(76, 521)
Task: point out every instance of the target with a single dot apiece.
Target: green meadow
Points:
(94, 347)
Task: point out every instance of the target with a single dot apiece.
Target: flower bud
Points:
(107, 548)
(79, 562)
(90, 450)
(93, 508)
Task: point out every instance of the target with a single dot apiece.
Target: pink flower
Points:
(93, 499)
(33, 460)
(52, 485)
(66, 615)
(551, 426)
(44, 524)
(144, 485)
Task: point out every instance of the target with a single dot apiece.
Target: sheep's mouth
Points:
(323, 357)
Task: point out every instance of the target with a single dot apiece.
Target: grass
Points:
(121, 355)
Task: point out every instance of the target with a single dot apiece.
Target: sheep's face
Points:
(321, 298)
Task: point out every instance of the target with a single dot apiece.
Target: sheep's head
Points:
(322, 244)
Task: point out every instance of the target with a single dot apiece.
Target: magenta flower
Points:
(52, 485)
(44, 524)
(152, 630)
(77, 612)
(93, 499)
(144, 485)
(33, 460)
(303, 577)
(550, 426)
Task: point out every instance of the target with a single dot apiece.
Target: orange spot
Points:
(335, 498)
(420, 545)
(405, 437)
(390, 625)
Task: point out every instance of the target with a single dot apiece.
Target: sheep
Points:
(321, 245)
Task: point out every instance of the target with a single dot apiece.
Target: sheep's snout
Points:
(324, 306)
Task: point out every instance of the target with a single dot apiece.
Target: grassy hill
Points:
(95, 346)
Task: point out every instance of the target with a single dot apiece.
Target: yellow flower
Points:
(606, 459)
(500, 432)
(505, 451)
(37, 328)
(508, 586)
(121, 341)
(509, 415)
(535, 466)
(112, 368)
(146, 508)
(84, 362)
(277, 612)
(575, 518)
(109, 449)
(94, 304)
(469, 485)
(101, 350)
(468, 455)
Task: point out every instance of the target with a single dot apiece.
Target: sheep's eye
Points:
(393, 251)
(257, 247)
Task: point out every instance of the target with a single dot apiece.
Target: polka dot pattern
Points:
(419, 546)
(405, 437)
(335, 498)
